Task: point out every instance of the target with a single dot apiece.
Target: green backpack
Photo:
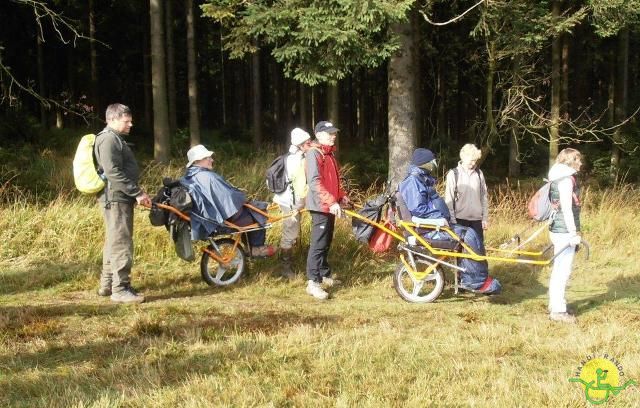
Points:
(88, 179)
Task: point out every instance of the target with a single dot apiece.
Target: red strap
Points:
(487, 283)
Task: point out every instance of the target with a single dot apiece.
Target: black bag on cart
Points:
(372, 211)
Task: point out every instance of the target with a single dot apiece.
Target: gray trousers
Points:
(117, 254)
(290, 228)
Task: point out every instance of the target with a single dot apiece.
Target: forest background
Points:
(521, 79)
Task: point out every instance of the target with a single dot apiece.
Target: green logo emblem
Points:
(600, 378)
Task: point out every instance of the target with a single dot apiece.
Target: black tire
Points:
(424, 291)
(217, 274)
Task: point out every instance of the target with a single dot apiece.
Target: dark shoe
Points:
(285, 258)
(104, 291)
(127, 295)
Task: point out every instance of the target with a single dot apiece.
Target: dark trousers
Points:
(243, 218)
(476, 225)
(321, 236)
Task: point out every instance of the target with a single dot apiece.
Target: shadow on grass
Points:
(147, 348)
(618, 288)
(47, 275)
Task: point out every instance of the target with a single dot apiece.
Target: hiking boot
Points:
(263, 251)
(315, 290)
(104, 291)
(285, 258)
(563, 317)
(330, 282)
(127, 295)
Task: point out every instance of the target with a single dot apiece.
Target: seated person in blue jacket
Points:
(216, 201)
(426, 206)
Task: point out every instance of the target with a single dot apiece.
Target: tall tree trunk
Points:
(223, 88)
(492, 131)
(364, 109)
(401, 103)
(93, 59)
(564, 94)
(256, 91)
(192, 78)
(41, 83)
(146, 67)
(441, 114)
(276, 101)
(171, 66)
(161, 146)
(514, 164)
(620, 102)
(303, 107)
(556, 67)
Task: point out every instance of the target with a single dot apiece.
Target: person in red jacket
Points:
(324, 200)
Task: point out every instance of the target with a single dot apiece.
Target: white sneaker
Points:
(315, 290)
(330, 282)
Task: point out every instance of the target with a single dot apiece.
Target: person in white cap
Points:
(293, 198)
(215, 200)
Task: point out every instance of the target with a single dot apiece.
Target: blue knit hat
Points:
(422, 156)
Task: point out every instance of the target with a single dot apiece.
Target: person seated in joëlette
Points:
(427, 207)
(215, 201)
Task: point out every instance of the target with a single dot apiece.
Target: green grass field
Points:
(265, 342)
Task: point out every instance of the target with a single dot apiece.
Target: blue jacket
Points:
(214, 200)
(419, 193)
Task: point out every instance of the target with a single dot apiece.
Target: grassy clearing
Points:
(264, 342)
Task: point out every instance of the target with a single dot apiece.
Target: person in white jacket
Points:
(293, 198)
(564, 229)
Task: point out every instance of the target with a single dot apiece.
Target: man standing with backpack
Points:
(324, 201)
(119, 166)
(293, 197)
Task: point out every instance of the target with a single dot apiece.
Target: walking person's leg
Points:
(121, 253)
(290, 233)
(560, 273)
(317, 250)
(106, 276)
(475, 224)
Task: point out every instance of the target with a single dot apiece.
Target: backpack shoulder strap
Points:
(455, 189)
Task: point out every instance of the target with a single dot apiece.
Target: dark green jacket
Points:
(120, 168)
(558, 224)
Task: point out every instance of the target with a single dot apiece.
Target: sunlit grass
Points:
(264, 342)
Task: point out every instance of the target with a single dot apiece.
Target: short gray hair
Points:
(116, 111)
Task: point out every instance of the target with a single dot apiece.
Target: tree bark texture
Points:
(620, 95)
(171, 67)
(161, 147)
(556, 67)
(192, 77)
(401, 104)
(256, 91)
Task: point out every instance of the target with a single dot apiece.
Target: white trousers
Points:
(561, 271)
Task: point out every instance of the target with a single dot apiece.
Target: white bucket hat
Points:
(197, 152)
